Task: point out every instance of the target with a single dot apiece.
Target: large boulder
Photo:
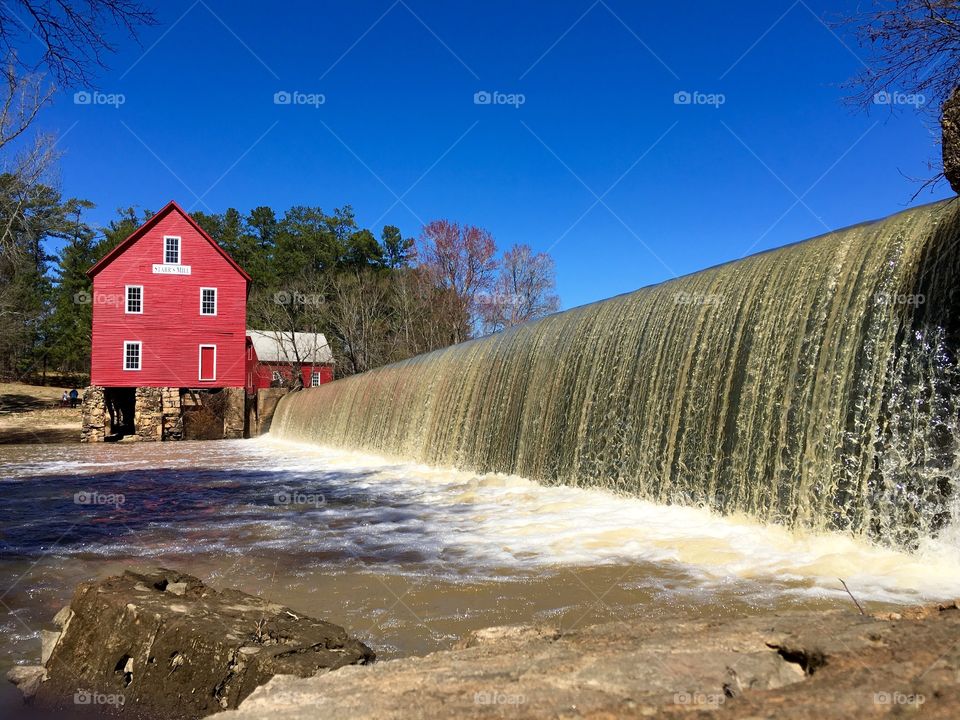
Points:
(162, 644)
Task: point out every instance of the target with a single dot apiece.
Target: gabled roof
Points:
(285, 347)
(171, 206)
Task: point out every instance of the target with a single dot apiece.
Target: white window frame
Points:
(139, 344)
(179, 249)
(215, 293)
(314, 378)
(200, 376)
(278, 377)
(126, 299)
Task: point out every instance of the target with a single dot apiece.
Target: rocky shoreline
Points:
(161, 644)
(802, 665)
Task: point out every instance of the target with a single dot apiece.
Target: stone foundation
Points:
(233, 416)
(148, 418)
(158, 413)
(93, 412)
(172, 425)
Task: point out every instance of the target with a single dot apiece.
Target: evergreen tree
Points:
(398, 251)
(31, 216)
(71, 321)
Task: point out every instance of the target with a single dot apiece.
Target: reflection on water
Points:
(408, 557)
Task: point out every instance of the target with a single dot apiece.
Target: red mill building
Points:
(170, 342)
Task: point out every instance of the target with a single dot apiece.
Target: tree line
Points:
(376, 299)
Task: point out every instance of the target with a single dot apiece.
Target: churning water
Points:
(407, 556)
(813, 386)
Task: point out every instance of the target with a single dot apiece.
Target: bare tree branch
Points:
(72, 37)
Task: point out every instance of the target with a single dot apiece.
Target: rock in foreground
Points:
(162, 644)
(809, 665)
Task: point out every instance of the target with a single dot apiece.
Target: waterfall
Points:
(814, 385)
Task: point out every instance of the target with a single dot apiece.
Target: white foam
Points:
(506, 521)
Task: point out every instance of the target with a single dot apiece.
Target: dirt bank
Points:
(33, 414)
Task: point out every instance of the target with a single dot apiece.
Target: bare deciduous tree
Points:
(914, 51)
(524, 290)
(23, 96)
(72, 37)
(914, 47)
(292, 317)
(358, 315)
(461, 262)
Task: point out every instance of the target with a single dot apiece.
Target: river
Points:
(407, 557)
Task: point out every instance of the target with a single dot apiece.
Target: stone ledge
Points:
(802, 665)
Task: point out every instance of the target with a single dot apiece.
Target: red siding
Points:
(171, 327)
(260, 374)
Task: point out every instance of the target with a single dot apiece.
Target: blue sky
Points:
(599, 164)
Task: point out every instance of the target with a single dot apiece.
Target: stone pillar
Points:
(172, 414)
(233, 412)
(93, 411)
(148, 417)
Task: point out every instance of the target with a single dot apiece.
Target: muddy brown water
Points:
(407, 557)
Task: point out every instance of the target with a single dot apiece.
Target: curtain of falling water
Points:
(811, 385)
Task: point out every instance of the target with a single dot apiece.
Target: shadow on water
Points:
(150, 512)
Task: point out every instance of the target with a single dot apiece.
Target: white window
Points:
(277, 376)
(171, 250)
(131, 355)
(135, 299)
(315, 378)
(208, 301)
